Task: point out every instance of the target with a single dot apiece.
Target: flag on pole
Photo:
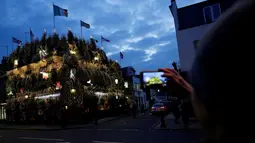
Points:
(121, 55)
(31, 35)
(104, 39)
(15, 40)
(84, 24)
(58, 11)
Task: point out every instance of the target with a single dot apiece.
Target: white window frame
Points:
(211, 11)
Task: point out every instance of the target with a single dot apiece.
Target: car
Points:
(159, 108)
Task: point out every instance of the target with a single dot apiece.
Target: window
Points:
(195, 44)
(211, 13)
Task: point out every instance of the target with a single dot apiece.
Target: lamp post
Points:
(117, 81)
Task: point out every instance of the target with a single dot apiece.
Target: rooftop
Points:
(193, 15)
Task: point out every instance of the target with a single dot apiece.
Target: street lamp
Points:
(116, 81)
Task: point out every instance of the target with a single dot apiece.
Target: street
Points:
(124, 130)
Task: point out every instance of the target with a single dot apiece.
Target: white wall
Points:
(185, 39)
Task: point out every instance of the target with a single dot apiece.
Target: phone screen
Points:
(151, 78)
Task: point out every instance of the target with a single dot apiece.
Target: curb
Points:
(59, 128)
(176, 129)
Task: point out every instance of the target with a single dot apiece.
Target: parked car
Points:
(159, 108)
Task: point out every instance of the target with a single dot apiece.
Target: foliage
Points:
(102, 74)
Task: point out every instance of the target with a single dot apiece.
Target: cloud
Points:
(142, 30)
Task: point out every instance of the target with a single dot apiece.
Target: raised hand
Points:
(175, 76)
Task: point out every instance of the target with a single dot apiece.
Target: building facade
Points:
(3, 77)
(192, 23)
(138, 92)
(133, 86)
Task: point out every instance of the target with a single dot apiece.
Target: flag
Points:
(104, 39)
(14, 40)
(121, 55)
(31, 35)
(58, 11)
(86, 25)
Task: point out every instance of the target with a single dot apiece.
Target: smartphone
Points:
(149, 78)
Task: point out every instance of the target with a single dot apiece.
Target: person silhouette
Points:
(218, 89)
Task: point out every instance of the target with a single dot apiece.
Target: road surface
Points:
(124, 130)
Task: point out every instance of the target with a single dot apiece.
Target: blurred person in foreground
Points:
(219, 89)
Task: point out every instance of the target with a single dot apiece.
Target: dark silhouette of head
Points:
(220, 84)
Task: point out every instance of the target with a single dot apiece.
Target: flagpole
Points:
(101, 42)
(53, 17)
(81, 32)
(12, 46)
(120, 61)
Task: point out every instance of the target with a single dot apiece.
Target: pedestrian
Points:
(218, 88)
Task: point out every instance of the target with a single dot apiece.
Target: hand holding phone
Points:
(176, 77)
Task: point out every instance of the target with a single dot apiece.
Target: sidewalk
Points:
(194, 124)
(52, 128)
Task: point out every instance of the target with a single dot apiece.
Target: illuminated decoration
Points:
(116, 81)
(72, 90)
(43, 54)
(72, 73)
(10, 93)
(26, 96)
(58, 85)
(126, 84)
(21, 90)
(48, 96)
(100, 94)
(72, 52)
(96, 58)
(72, 49)
(16, 63)
(89, 82)
(45, 75)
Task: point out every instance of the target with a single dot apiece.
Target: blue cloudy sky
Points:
(142, 29)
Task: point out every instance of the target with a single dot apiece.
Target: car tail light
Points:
(163, 108)
(153, 108)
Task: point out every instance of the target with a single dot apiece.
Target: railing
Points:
(2, 111)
